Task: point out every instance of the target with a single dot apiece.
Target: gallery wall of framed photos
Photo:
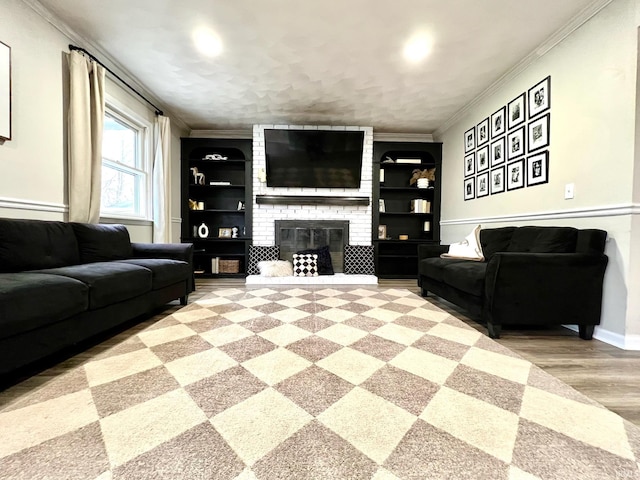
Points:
(509, 149)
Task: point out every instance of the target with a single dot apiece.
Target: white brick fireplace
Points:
(264, 216)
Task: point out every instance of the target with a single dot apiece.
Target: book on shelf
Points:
(219, 183)
(420, 205)
(215, 265)
(409, 160)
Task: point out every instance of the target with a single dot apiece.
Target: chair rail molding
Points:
(587, 212)
(24, 204)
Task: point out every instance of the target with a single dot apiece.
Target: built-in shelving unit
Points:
(217, 193)
(393, 197)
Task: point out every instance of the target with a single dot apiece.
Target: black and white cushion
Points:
(258, 253)
(358, 260)
(305, 265)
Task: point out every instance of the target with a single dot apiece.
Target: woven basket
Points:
(229, 266)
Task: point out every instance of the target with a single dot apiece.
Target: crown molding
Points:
(403, 137)
(555, 39)
(78, 39)
(239, 134)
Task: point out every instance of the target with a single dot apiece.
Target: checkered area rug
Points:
(309, 383)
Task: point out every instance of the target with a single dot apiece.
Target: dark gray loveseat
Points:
(530, 276)
(62, 283)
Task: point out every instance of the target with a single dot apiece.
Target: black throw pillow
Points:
(325, 267)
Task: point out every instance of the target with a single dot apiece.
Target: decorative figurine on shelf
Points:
(423, 178)
(198, 178)
(235, 231)
(203, 230)
(214, 156)
(193, 205)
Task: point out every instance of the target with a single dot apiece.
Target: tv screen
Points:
(313, 158)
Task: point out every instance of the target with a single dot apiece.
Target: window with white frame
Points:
(126, 165)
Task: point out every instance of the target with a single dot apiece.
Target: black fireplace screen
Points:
(295, 235)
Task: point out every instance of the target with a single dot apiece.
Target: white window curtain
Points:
(86, 118)
(161, 186)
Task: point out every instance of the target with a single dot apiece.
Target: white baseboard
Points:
(625, 342)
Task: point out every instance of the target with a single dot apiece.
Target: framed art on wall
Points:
(497, 180)
(515, 144)
(482, 130)
(469, 140)
(538, 168)
(497, 152)
(540, 97)
(482, 185)
(516, 111)
(482, 159)
(469, 164)
(538, 133)
(515, 175)
(469, 188)
(5, 92)
(498, 123)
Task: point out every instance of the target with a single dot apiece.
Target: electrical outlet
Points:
(568, 191)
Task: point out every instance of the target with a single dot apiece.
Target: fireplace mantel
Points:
(310, 200)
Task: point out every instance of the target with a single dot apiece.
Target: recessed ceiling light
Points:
(207, 42)
(417, 48)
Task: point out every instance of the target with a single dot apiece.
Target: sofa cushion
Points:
(108, 282)
(466, 276)
(31, 300)
(434, 267)
(164, 272)
(325, 267)
(102, 243)
(31, 244)
(544, 240)
(495, 240)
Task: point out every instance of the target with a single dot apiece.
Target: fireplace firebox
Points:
(295, 235)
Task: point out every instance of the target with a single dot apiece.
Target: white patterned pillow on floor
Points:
(259, 253)
(358, 260)
(305, 265)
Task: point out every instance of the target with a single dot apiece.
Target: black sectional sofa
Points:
(530, 276)
(63, 283)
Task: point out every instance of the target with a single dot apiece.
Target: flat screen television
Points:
(313, 158)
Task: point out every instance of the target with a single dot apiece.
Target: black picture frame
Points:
(470, 164)
(538, 168)
(469, 188)
(516, 142)
(496, 180)
(5, 92)
(482, 159)
(516, 111)
(470, 140)
(515, 175)
(497, 152)
(539, 98)
(538, 132)
(482, 132)
(482, 185)
(498, 123)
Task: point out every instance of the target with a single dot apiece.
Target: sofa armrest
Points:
(428, 250)
(172, 251)
(544, 288)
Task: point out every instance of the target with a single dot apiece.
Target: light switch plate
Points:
(568, 191)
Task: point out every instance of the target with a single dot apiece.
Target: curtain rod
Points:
(80, 49)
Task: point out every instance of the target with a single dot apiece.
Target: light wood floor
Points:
(607, 374)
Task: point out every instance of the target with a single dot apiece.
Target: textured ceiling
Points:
(335, 62)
